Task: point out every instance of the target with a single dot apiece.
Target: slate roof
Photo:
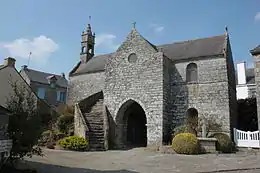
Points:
(41, 77)
(175, 51)
(255, 50)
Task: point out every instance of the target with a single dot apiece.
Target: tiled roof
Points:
(175, 51)
(41, 77)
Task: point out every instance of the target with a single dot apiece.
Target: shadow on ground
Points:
(48, 168)
(233, 170)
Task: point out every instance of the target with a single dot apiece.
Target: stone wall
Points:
(83, 86)
(231, 88)
(210, 96)
(167, 101)
(140, 81)
(257, 82)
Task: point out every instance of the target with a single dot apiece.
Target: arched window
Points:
(192, 73)
(192, 119)
(84, 49)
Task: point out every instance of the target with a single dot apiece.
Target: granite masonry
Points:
(256, 55)
(145, 90)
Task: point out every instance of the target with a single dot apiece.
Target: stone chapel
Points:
(136, 95)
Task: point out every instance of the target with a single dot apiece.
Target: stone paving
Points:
(143, 161)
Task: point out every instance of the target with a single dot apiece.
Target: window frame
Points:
(39, 92)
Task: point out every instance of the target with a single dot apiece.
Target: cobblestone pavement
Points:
(143, 161)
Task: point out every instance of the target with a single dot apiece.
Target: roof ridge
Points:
(42, 72)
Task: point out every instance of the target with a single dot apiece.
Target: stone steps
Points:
(95, 119)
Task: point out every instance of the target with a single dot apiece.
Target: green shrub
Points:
(74, 143)
(65, 123)
(224, 143)
(183, 129)
(185, 143)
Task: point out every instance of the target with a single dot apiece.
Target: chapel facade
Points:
(138, 94)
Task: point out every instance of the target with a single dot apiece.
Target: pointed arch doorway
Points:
(131, 122)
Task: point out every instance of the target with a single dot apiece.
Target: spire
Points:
(89, 29)
(87, 44)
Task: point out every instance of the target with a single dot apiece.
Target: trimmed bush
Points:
(185, 143)
(74, 143)
(224, 143)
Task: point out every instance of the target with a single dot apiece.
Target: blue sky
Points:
(51, 29)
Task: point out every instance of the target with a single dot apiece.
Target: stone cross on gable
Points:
(134, 23)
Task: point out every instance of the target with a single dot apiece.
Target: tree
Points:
(25, 124)
(247, 114)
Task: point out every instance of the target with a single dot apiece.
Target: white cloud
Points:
(257, 16)
(157, 28)
(41, 48)
(106, 42)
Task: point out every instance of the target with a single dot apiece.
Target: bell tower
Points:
(87, 45)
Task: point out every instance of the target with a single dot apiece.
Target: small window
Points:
(41, 93)
(192, 73)
(61, 96)
(132, 58)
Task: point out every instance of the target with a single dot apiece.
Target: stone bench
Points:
(208, 145)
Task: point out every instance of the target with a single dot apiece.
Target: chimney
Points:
(9, 61)
(24, 67)
(63, 75)
(241, 73)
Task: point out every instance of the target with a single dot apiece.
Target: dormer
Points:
(52, 81)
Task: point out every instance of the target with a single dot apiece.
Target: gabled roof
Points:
(175, 51)
(255, 51)
(42, 77)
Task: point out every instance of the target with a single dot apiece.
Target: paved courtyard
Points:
(143, 161)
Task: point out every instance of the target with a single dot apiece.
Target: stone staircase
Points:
(91, 121)
(94, 117)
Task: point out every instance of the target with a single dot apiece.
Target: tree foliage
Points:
(247, 114)
(25, 125)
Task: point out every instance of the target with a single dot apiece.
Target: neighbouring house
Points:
(246, 87)
(5, 142)
(8, 76)
(138, 94)
(51, 88)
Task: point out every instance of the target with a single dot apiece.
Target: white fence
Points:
(246, 139)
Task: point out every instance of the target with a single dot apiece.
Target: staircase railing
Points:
(79, 123)
(82, 107)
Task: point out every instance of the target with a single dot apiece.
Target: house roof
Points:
(175, 51)
(256, 50)
(42, 77)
